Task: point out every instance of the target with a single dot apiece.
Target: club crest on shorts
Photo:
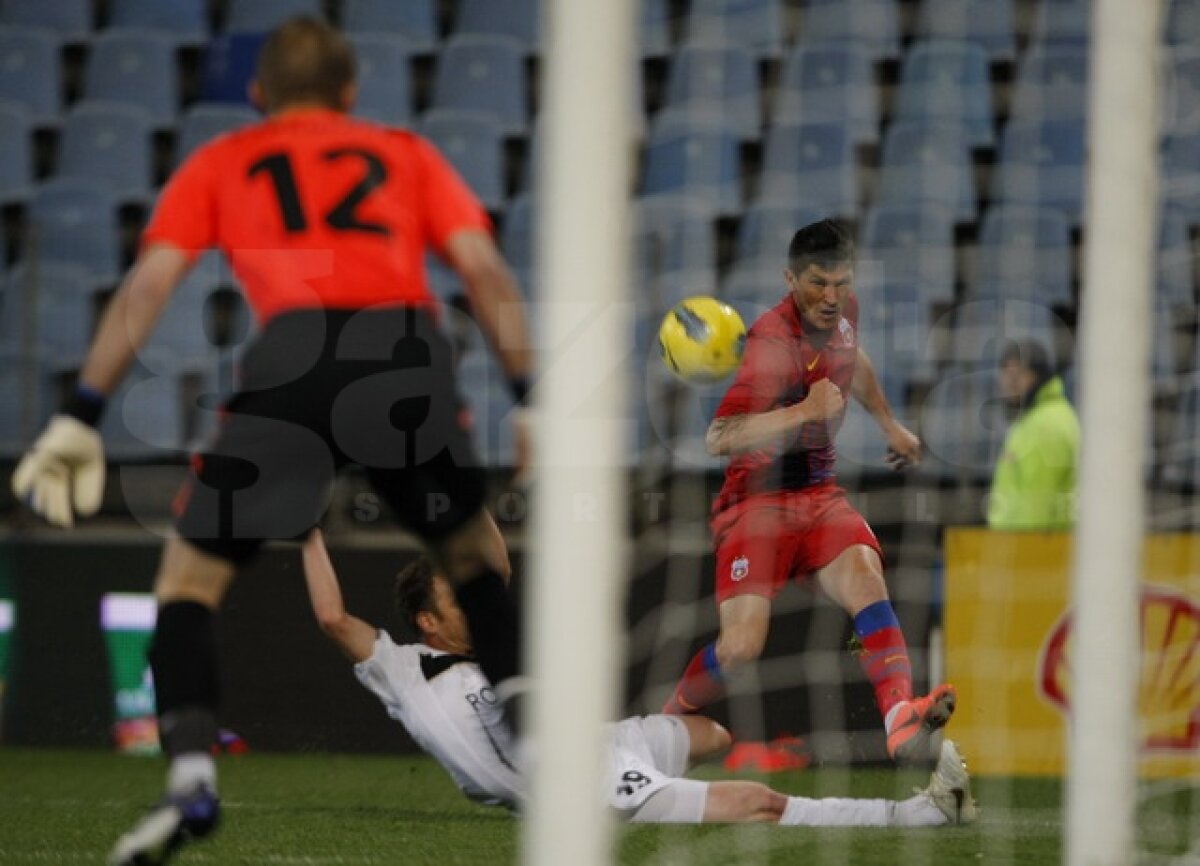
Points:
(739, 568)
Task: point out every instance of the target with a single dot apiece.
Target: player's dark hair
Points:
(826, 244)
(1033, 356)
(1030, 354)
(414, 592)
(305, 60)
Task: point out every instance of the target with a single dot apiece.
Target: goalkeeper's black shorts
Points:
(320, 390)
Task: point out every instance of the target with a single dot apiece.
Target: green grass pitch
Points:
(66, 807)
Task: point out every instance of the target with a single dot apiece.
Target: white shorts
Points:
(649, 754)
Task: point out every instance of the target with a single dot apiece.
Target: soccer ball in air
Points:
(701, 340)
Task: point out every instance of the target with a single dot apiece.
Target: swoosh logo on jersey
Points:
(813, 365)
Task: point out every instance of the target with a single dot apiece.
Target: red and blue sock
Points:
(702, 683)
(884, 655)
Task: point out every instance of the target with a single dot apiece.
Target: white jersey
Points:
(449, 708)
(447, 705)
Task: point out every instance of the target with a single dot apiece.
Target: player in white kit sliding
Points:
(439, 694)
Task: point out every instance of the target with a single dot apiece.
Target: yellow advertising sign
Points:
(1009, 651)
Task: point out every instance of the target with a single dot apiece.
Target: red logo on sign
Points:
(1169, 686)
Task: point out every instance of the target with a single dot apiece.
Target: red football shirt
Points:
(317, 209)
(782, 360)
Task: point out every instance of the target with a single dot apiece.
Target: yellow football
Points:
(702, 340)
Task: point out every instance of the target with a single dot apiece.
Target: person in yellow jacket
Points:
(1033, 487)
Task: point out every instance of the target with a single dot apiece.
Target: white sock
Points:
(919, 811)
(189, 770)
(837, 812)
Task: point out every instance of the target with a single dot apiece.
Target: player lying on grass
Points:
(435, 689)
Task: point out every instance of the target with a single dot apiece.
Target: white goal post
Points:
(1121, 219)
(578, 533)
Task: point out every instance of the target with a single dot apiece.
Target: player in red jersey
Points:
(780, 514)
(325, 220)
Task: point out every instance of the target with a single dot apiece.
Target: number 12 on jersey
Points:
(343, 216)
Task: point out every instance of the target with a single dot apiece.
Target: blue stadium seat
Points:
(644, 261)
(415, 20)
(655, 30)
(109, 142)
(384, 78)
(28, 395)
(756, 25)
(16, 153)
(527, 174)
(184, 22)
(702, 168)
(989, 24)
(134, 67)
(443, 281)
(71, 20)
(637, 106)
(910, 244)
(518, 231)
(671, 419)
(228, 67)
(811, 164)
(674, 253)
(513, 19)
(767, 229)
(31, 72)
(1024, 252)
(962, 425)
(1176, 260)
(472, 142)
(895, 329)
(1165, 360)
(948, 82)
(931, 165)
(830, 83)
(1062, 21)
(74, 221)
(484, 74)
(1183, 22)
(685, 261)
(983, 327)
(1181, 450)
(1041, 164)
(491, 405)
(694, 411)
(247, 16)
(1181, 173)
(1181, 91)
(184, 327)
(756, 281)
(874, 24)
(721, 80)
(1052, 84)
(52, 304)
(861, 445)
(753, 287)
(204, 121)
(145, 416)
(187, 326)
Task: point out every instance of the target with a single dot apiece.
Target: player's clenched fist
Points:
(63, 473)
(824, 401)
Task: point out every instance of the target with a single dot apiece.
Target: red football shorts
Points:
(769, 538)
